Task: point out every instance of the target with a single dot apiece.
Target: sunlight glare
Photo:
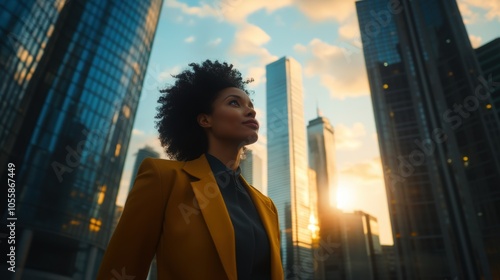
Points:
(344, 198)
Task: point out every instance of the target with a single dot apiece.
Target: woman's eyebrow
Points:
(237, 96)
(233, 95)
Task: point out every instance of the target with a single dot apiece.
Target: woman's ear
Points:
(204, 120)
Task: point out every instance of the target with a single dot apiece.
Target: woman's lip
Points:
(252, 124)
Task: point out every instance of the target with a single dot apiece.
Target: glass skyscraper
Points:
(488, 56)
(70, 81)
(321, 141)
(252, 169)
(322, 160)
(362, 252)
(441, 165)
(287, 164)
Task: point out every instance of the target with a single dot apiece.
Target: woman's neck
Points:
(229, 156)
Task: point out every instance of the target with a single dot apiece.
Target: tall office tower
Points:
(287, 164)
(322, 159)
(254, 165)
(361, 245)
(440, 162)
(140, 156)
(488, 56)
(389, 257)
(252, 169)
(70, 81)
(314, 226)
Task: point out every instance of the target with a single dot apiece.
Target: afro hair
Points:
(193, 93)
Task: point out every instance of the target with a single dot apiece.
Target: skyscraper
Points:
(140, 156)
(70, 82)
(322, 160)
(488, 57)
(254, 167)
(287, 164)
(440, 162)
(362, 257)
(390, 262)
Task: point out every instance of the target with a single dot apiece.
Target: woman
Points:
(197, 214)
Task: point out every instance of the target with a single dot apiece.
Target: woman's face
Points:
(232, 118)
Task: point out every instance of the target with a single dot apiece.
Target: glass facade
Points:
(252, 169)
(322, 160)
(321, 142)
(440, 160)
(362, 252)
(287, 164)
(488, 56)
(70, 83)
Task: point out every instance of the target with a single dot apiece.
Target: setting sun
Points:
(345, 197)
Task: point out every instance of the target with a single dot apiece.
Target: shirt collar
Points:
(218, 167)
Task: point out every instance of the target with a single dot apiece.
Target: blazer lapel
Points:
(268, 217)
(214, 212)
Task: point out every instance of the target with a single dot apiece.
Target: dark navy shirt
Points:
(253, 260)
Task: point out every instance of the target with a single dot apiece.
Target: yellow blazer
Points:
(176, 211)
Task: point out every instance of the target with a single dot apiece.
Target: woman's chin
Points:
(251, 139)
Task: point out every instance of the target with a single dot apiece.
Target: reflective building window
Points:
(70, 81)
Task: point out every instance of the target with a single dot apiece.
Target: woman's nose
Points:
(251, 112)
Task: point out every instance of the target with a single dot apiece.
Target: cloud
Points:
(367, 170)
(341, 73)
(249, 41)
(319, 10)
(190, 39)
(237, 11)
(165, 75)
(202, 11)
(491, 7)
(137, 132)
(215, 42)
(349, 138)
(258, 74)
(468, 15)
(234, 11)
(300, 48)
(475, 40)
(361, 187)
(349, 30)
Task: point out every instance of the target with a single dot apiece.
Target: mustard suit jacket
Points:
(176, 211)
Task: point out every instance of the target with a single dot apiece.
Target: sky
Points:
(323, 36)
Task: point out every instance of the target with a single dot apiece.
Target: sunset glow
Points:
(345, 197)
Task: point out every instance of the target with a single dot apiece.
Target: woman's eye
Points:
(234, 102)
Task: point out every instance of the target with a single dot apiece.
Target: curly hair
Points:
(193, 92)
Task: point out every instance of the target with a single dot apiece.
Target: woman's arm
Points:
(133, 244)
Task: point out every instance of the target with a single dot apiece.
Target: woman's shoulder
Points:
(163, 164)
